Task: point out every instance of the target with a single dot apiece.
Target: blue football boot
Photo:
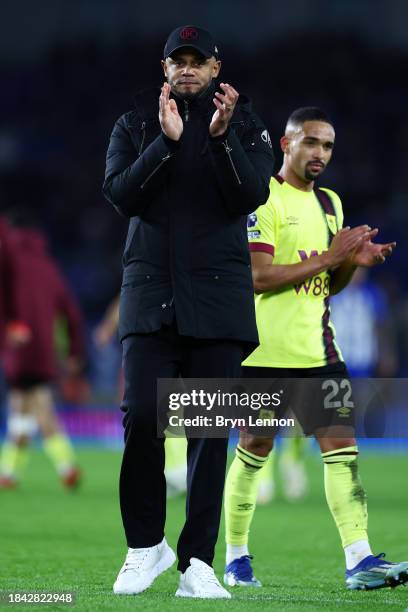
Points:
(374, 572)
(239, 573)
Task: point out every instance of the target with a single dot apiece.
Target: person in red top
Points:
(41, 296)
(11, 330)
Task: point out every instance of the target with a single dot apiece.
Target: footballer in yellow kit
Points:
(293, 323)
(300, 255)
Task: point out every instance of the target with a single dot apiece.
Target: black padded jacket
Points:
(186, 252)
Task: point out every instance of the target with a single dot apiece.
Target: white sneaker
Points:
(142, 566)
(200, 581)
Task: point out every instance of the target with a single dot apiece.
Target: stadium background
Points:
(68, 70)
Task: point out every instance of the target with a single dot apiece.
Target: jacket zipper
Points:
(228, 150)
(186, 111)
(165, 158)
(143, 129)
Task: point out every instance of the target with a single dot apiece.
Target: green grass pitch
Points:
(54, 540)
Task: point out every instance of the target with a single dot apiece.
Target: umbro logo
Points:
(245, 506)
(292, 220)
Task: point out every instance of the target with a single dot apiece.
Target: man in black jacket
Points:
(186, 166)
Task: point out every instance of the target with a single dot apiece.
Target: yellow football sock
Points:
(176, 452)
(345, 494)
(59, 449)
(13, 458)
(241, 487)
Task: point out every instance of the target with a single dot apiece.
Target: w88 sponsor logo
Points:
(315, 286)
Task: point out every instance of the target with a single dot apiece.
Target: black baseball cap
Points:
(191, 36)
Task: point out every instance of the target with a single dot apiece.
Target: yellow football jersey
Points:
(294, 324)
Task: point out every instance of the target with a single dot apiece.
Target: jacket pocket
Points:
(137, 280)
(147, 290)
(134, 280)
(221, 279)
(145, 300)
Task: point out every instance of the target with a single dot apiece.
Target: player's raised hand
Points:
(345, 242)
(170, 120)
(369, 253)
(225, 103)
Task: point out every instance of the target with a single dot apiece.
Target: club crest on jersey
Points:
(252, 220)
(332, 223)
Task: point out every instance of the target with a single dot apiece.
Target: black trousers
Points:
(166, 354)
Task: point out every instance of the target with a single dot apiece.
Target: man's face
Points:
(308, 148)
(189, 73)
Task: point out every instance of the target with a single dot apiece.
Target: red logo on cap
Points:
(188, 34)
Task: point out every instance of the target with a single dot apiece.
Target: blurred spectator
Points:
(12, 330)
(364, 328)
(41, 296)
(107, 329)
